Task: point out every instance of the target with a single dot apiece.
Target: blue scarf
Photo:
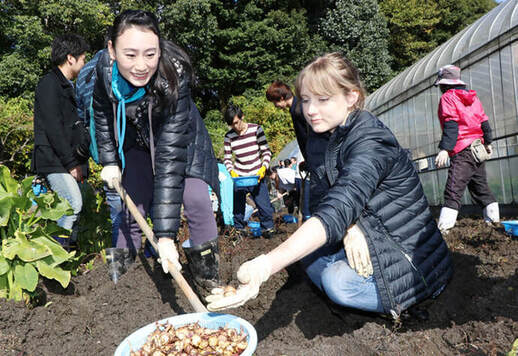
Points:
(125, 93)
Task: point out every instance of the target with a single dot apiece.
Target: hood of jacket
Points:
(467, 97)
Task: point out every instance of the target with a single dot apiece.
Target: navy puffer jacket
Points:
(368, 179)
(183, 146)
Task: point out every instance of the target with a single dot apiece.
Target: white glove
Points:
(357, 251)
(109, 174)
(168, 253)
(489, 150)
(251, 275)
(441, 158)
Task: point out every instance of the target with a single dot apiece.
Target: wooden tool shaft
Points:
(142, 223)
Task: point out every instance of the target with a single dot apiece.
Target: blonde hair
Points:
(331, 74)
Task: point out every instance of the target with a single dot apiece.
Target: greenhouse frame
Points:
(487, 53)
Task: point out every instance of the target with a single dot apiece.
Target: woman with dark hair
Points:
(151, 137)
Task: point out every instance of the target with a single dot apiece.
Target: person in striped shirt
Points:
(247, 143)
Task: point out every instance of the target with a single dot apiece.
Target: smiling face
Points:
(137, 52)
(325, 112)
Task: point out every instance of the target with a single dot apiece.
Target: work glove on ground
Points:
(441, 158)
(261, 172)
(251, 275)
(168, 253)
(357, 251)
(234, 174)
(109, 174)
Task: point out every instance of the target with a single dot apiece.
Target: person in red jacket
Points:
(463, 122)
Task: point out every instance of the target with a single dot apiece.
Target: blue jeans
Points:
(67, 188)
(329, 270)
(261, 198)
(115, 203)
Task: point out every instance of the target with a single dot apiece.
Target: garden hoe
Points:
(178, 277)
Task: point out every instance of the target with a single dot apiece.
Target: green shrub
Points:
(28, 250)
(16, 135)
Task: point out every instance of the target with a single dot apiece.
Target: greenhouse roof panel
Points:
(496, 22)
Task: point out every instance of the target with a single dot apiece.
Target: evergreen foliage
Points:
(359, 30)
(237, 48)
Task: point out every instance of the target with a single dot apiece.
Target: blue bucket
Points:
(208, 320)
(254, 224)
(290, 219)
(244, 182)
(255, 228)
(511, 227)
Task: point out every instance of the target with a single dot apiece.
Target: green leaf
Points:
(27, 251)
(7, 183)
(4, 266)
(4, 286)
(56, 273)
(53, 229)
(26, 276)
(57, 255)
(26, 186)
(52, 206)
(6, 202)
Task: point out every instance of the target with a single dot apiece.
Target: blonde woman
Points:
(371, 242)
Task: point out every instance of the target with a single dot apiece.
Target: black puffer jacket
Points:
(55, 113)
(183, 146)
(368, 179)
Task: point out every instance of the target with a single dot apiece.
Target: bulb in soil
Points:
(229, 291)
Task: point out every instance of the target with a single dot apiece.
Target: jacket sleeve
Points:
(170, 165)
(300, 126)
(227, 157)
(450, 133)
(103, 116)
(368, 162)
(266, 154)
(47, 98)
(488, 133)
(448, 117)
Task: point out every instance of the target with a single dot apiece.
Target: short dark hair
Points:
(287, 162)
(272, 170)
(278, 91)
(231, 112)
(64, 45)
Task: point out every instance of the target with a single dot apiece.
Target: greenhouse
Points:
(487, 53)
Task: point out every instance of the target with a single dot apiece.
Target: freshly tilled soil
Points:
(477, 314)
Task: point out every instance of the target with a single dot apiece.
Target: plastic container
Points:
(511, 227)
(290, 219)
(244, 182)
(208, 320)
(118, 260)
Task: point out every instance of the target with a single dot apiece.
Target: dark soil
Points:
(477, 314)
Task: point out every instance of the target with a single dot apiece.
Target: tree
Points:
(28, 28)
(455, 15)
(236, 46)
(358, 29)
(411, 24)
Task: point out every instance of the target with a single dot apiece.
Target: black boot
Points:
(203, 263)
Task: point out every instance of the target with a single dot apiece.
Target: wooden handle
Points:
(271, 201)
(142, 223)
